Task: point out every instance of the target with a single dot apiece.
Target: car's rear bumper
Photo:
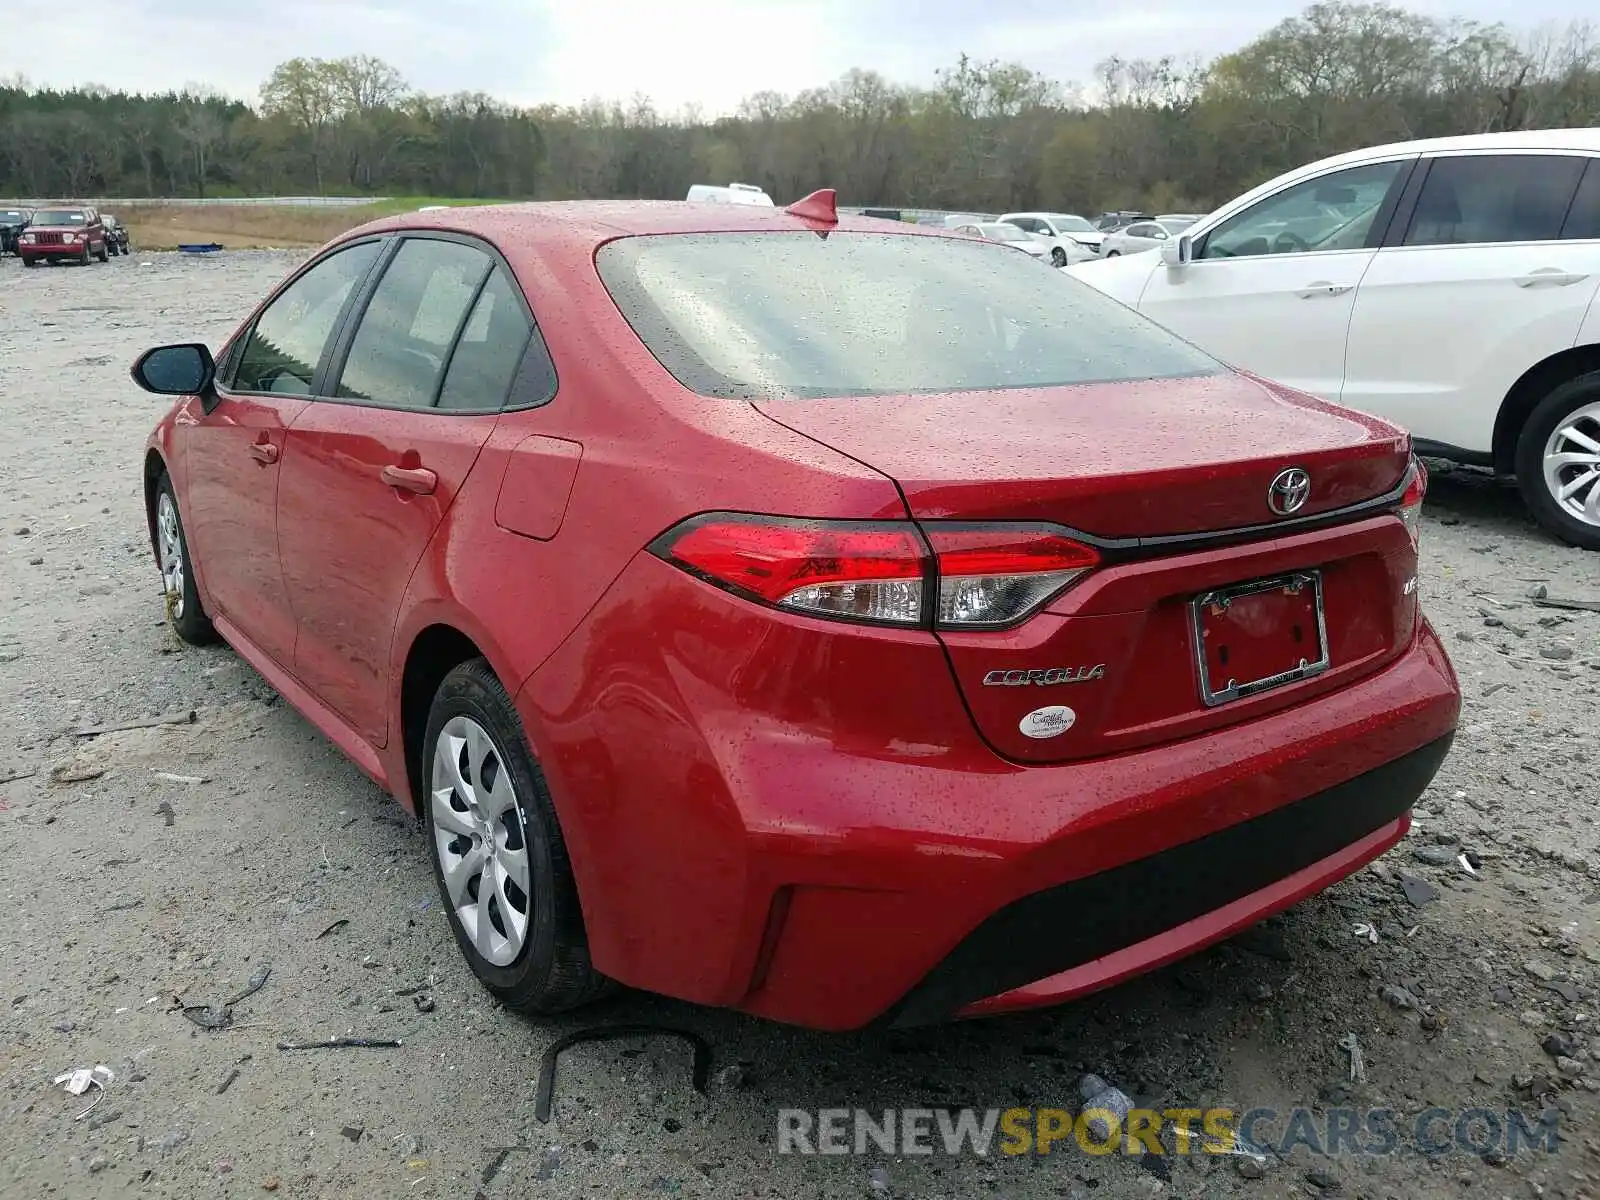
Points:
(766, 815)
(1090, 933)
(1132, 862)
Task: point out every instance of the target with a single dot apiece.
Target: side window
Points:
(1480, 198)
(284, 348)
(1331, 212)
(1141, 231)
(491, 346)
(397, 356)
(1583, 220)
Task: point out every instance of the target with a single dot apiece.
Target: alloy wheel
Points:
(480, 838)
(1572, 464)
(169, 546)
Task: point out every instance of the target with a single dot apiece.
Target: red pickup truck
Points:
(59, 234)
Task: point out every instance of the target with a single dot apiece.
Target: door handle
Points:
(264, 452)
(1554, 276)
(1322, 288)
(419, 480)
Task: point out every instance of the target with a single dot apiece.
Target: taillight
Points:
(978, 577)
(1410, 511)
(860, 571)
(995, 575)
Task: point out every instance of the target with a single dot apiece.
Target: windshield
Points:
(1073, 224)
(764, 315)
(10, 214)
(60, 216)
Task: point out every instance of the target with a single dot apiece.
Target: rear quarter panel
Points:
(651, 455)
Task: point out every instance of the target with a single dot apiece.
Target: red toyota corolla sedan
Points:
(777, 610)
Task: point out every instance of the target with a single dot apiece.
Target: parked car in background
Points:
(951, 220)
(814, 626)
(733, 193)
(12, 222)
(1145, 235)
(1071, 238)
(1447, 285)
(116, 234)
(1111, 221)
(65, 234)
(1010, 235)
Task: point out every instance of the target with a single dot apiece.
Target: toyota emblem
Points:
(1289, 491)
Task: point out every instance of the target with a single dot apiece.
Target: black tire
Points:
(30, 262)
(104, 252)
(1058, 256)
(1542, 422)
(551, 973)
(185, 613)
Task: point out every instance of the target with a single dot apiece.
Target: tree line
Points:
(1162, 134)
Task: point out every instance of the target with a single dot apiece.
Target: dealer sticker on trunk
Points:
(1048, 722)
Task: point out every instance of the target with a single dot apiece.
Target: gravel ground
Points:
(157, 868)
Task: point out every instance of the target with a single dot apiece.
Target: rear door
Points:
(1271, 288)
(1473, 287)
(371, 471)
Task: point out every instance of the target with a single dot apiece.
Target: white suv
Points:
(1447, 285)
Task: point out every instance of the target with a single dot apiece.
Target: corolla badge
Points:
(1289, 491)
(1045, 678)
(1048, 722)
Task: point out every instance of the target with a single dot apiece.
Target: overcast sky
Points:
(710, 52)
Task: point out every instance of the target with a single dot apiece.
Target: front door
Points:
(1271, 288)
(233, 454)
(370, 473)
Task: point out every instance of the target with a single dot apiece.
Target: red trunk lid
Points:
(1124, 651)
(1118, 460)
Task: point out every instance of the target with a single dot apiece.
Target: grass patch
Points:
(258, 226)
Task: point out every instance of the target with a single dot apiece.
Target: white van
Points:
(734, 193)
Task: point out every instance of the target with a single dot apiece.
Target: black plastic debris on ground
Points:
(604, 1033)
(220, 1016)
(344, 1043)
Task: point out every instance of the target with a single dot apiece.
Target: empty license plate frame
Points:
(1234, 689)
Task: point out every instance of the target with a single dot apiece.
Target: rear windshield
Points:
(764, 315)
(59, 216)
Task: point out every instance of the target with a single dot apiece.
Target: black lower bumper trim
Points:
(1063, 927)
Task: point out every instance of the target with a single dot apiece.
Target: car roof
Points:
(578, 224)
(1516, 139)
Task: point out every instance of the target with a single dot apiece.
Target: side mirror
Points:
(183, 370)
(1178, 251)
